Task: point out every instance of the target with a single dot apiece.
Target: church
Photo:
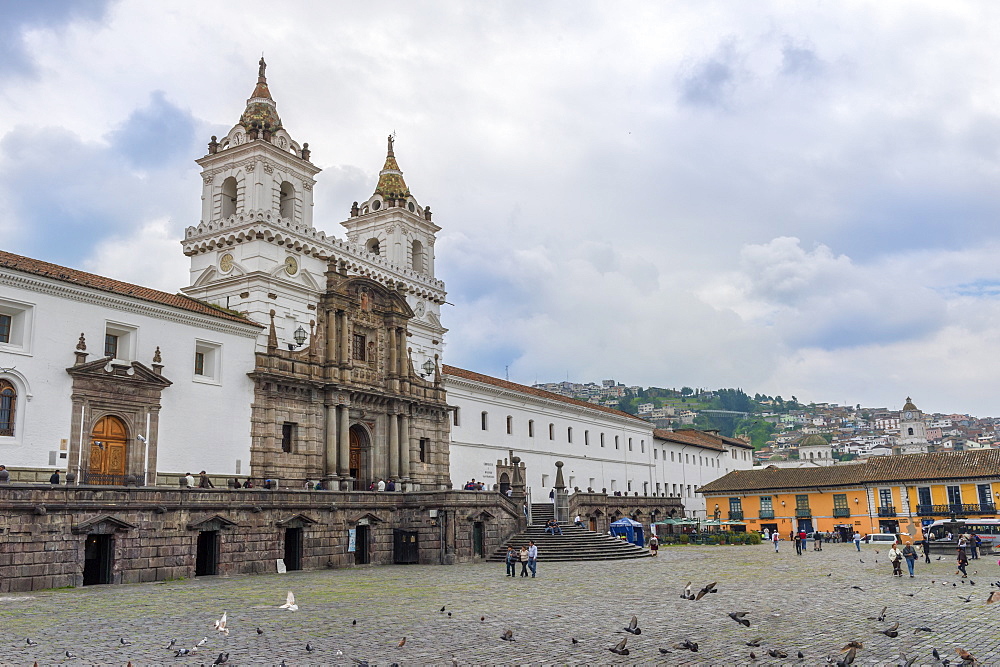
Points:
(305, 362)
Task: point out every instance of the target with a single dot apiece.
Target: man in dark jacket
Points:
(205, 482)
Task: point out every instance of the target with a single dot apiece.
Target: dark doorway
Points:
(504, 483)
(889, 526)
(593, 523)
(405, 547)
(293, 549)
(98, 558)
(207, 561)
(478, 537)
(846, 533)
(770, 527)
(806, 525)
(361, 556)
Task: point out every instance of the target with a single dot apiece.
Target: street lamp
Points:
(300, 336)
(428, 368)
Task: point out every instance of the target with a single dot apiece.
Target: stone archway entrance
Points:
(358, 464)
(108, 451)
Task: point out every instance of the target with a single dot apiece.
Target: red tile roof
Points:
(980, 463)
(524, 389)
(83, 279)
(690, 436)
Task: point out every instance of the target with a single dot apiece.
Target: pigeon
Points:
(663, 651)
(738, 617)
(124, 642)
(508, 635)
(686, 595)
(801, 655)
(289, 602)
(204, 640)
(709, 588)
(401, 643)
(354, 622)
(849, 645)
(449, 614)
(222, 659)
(881, 616)
(906, 662)
(687, 645)
(994, 597)
(620, 649)
(965, 656)
(70, 655)
(755, 642)
(966, 599)
(848, 657)
(858, 588)
(892, 632)
(753, 656)
(182, 651)
(171, 644)
(938, 558)
(934, 652)
(482, 619)
(28, 642)
(310, 647)
(922, 628)
(777, 653)
(260, 630)
(442, 609)
(633, 627)
(575, 640)
(220, 625)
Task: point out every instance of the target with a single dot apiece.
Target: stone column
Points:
(331, 442)
(561, 505)
(344, 345)
(344, 445)
(404, 446)
(73, 463)
(392, 422)
(331, 336)
(393, 354)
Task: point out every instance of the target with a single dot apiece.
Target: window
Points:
(616, 442)
(840, 501)
(687, 458)
(8, 408)
(602, 440)
(909, 431)
(885, 497)
(484, 419)
(552, 431)
(656, 454)
(228, 193)
(954, 495)
(120, 341)
(373, 246)
(417, 256)
(286, 204)
(207, 362)
(735, 505)
(510, 425)
(628, 486)
(671, 457)
(111, 346)
(358, 348)
(569, 434)
(455, 417)
(288, 430)
(586, 437)
(924, 495)
(802, 502)
(531, 428)
(630, 444)
(545, 481)
(5, 327)
(424, 446)
(985, 494)
(766, 508)
(642, 446)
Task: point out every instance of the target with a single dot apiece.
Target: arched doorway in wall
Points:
(504, 483)
(358, 463)
(108, 451)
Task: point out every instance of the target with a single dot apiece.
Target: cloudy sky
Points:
(792, 198)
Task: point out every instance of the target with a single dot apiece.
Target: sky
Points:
(790, 198)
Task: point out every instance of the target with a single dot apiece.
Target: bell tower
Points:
(912, 430)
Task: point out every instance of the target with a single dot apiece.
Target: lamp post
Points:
(428, 367)
(300, 336)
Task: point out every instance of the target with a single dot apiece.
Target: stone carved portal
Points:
(108, 447)
(358, 458)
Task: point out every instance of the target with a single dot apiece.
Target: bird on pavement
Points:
(401, 642)
(755, 642)
(619, 649)
(204, 640)
(687, 645)
(508, 635)
(29, 642)
(260, 630)
(309, 647)
(967, 658)
(994, 597)
(222, 659)
(858, 588)
(124, 642)
(70, 655)
(171, 644)
(777, 653)
(289, 603)
(633, 627)
(709, 588)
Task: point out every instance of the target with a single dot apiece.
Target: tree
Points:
(686, 391)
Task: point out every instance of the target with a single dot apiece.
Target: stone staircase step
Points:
(575, 544)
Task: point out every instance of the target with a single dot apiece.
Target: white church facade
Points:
(295, 355)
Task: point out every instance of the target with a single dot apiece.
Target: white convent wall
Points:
(686, 468)
(203, 425)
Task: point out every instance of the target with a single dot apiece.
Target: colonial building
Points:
(885, 494)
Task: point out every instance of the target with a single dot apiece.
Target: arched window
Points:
(8, 406)
(531, 428)
(228, 197)
(417, 257)
(286, 205)
(909, 431)
(372, 246)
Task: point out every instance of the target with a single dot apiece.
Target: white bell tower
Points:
(912, 430)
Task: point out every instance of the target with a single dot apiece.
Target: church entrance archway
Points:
(504, 483)
(108, 451)
(358, 458)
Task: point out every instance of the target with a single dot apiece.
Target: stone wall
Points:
(154, 530)
(605, 509)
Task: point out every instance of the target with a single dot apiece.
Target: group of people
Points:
(381, 485)
(473, 485)
(527, 556)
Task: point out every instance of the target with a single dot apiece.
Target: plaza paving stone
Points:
(796, 603)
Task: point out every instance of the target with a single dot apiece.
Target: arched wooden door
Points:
(359, 441)
(108, 449)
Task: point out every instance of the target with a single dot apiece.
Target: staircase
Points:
(574, 544)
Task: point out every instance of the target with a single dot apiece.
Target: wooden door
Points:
(354, 464)
(108, 447)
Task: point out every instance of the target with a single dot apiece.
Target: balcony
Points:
(841, 512)
(887, 510)
(958, 509)
(767, 514)
(803, 512)
(736, 515)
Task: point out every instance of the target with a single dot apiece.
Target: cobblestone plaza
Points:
(796, 603)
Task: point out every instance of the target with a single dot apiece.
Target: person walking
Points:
(532, 558)
(910, 554)
(817, 541)
(511, 561)
(896, 558)
(963, 561)
(204, 482)
(775, 537)
(654, 545)
(857, 540)
(974, 543)
(804, 536)
(767, 534)
(925, 546)
(522, 556)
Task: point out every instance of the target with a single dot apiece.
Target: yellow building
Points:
(885, 494)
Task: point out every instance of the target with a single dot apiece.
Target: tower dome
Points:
(261, 112)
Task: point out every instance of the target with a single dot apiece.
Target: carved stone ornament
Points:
(390, 231)
(249, 166)
(208, 178)
(238, 138)
(268, 168)
(307, 186)
(81, 344)
(157, 359)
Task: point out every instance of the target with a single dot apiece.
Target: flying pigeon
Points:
(620, 649)
(290, 603)
(633, 627)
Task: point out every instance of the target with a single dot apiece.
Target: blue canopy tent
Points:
(632, 530)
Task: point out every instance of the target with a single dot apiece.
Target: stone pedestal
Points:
(561, 508)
